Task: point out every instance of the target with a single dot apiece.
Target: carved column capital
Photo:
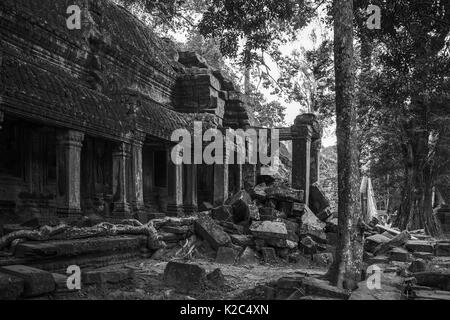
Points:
(71, 138)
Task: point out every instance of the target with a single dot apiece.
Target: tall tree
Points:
(345, 272)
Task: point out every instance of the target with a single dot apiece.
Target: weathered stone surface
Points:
(443, 249)
(283, 192)
(206, 228)
(281, 243)
(269, 230)
(11, 287)
(420, 246)
(242, 240)
(297, 209)
(440, 280)
(253, 212)
(374, 241)
(179, 230)
(270, 214)
(240, 196)
(248, 257)
(269, 255)
(259, 192)
(293, 229)
(107, 275)
(312, 226)
(318, 202)
(184, 277)
(223, 213)
(216, 279)
(231, 228)
(399, 254)
(226, 255)
(37, 282)
(418, 265)
(318, 287)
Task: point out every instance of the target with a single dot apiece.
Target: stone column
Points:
(190, 189)
(2, 118)
(315, 160)
(68, 162)
(119, 183)
(220, 183)
(137, 200)
(175, 188)
(301, 152)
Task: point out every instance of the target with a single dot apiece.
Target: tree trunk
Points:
(346, 270)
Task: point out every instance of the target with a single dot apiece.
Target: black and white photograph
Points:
(214, 158)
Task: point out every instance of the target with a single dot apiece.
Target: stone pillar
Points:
(220, 183)
(137, 200)
(119, 183)
(301, 151)
(175, 188)
(68, 162)
(190, 189)
(315, 160)
(2, 118)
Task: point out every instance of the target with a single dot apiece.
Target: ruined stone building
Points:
(87, 115)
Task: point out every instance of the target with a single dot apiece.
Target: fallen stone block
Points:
(269, 230)
(61, 283)
(242, 240)
(259, 192)
(179, 230)
(418, 265)
(184, 277)
(318, 202)
(312, 226)
(248, 257)
(11, 287)
(231, 228)
(270, 214)
(269, 255)
(399, 254)
(36, 282)
(208, 230)
(281, 243)
(226, 255)
(223, 213)
(440, 280)
(171, 237)
(297, 209)
(374, 241)
(423, 255)
(313, 286)
(443, 249)
(216, 279)
(285, 193)
(240, 196)
(286, 208)
(381, 259)
(420, 246)
(107, 275)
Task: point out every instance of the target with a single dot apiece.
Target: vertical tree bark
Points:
(346, 270)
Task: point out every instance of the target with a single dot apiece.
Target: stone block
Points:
(210, 231)
(316, 287)
(285, 193)
(399, 254)
(248, 257)
(443, 249)
(324, 259)
(269, 230)
(36, 282)
(242, 240)
(269, 255)
(418, 265)
(308, 245)
(312, 226)
(226, 255)
(223, 213)
(259, 192)
(184, 277)
(107, 275)
(420, 246)
(374, 241)
(216, 279)
(270, 214)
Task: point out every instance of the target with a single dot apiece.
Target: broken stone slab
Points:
(312, 226)
(319, 287)
(318, 201)
(242, 240)
(443, 249)
(248, 257)
(420, 246)
(285, 193)
(436, 279)
(269, 230)
(36, 282)
(184, 277)
(308, 245)
(216, 279)
(226, 255)
(107, 275)
(418, 265)
(374, 241)
(223, 213)
(210, 231)
(231, 228)
(270, 214)
(398, 241)
(269, 255)
(11, 287)
(399, 254)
